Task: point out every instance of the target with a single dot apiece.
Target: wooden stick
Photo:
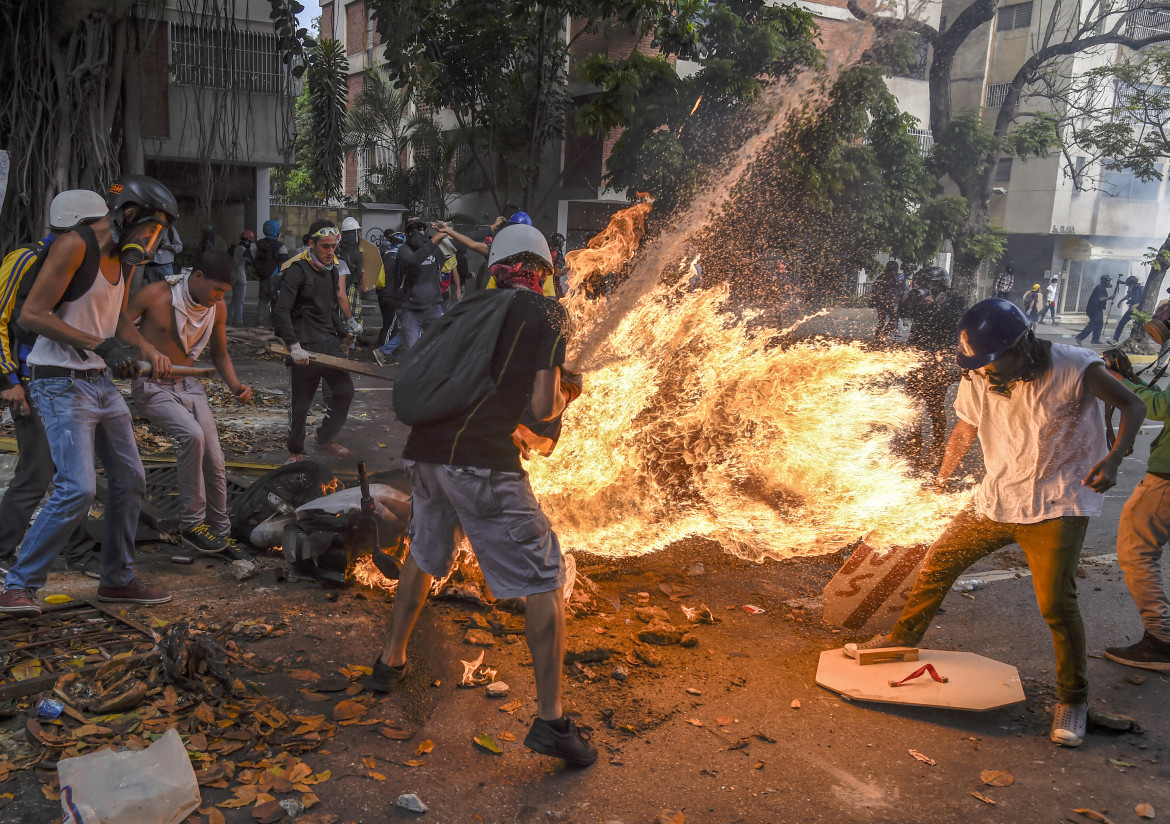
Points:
(276, 347)
(179, 371)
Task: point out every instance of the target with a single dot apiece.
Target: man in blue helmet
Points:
(1033, 405)
(270, 254)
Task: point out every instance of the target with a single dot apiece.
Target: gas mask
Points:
(416, 238)
(138, 240)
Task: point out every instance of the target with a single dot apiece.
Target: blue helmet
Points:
(989, 329)
(271, 228)
(521, 217)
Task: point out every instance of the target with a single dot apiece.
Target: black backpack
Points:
(448, 370)
(21, 339)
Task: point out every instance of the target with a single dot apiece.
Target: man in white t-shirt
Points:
(1033, 405)
(1050, 292)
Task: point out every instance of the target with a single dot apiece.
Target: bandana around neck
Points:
(514, 275)
(194, 321)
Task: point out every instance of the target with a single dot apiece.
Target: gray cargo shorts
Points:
(513, 541)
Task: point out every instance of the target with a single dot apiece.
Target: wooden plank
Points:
(276, 347)
(886, 655)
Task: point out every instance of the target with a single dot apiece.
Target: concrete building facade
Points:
(1104, 227)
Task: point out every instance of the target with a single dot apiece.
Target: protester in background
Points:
(34, 465)
(556, 245)
(241, 257)
(181, 320)
(1050, 292)
(467, 469)
(1095, 309)
(78, 307)
(450, 284)
(307, 317)
(884, 299)
(270, 254)
(163, 265)
(1132, 300)
(1004, 283)
(1032, 301)
(1033, 405)
(350, 252)
(419, 269)
(389, 339)
(208, 240)
(1143, 531)
(934, 333)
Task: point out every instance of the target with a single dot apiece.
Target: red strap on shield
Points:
(925, 669)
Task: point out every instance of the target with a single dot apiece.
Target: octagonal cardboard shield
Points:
(973, 681)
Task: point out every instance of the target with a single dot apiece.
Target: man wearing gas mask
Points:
(78, 308)
(420, 295)
(1033, 405)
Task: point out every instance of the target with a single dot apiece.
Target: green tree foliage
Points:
(325, 141)
(676, 128)
(500, 68)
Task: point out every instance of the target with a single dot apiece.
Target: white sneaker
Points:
(877, 642)
(1069, 724)
(379, 357)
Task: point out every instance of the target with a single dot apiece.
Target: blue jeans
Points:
(80, 416)
(412, 322)
(391, 344)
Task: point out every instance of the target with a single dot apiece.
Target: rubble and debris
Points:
(795, 704)
(925, 759)
(1113, 722)
(411, 802)
(479, 638)
(660, 634)
(967, 585)
(650, 614)
(1144, 810)
(647, 657)
(699, 615)
(243, 570)
(752, 609)
(1093, 815)
(497, 689)
(620, 674)
(997, 778)
(689, 641)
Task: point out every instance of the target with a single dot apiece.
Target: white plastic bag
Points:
(152, 786)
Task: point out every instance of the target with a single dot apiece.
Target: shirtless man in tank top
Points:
(181, 319)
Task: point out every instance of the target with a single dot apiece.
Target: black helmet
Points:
(556, 239)
(1106, 280)
(144, 191)
(1132, 280)
(938, 275)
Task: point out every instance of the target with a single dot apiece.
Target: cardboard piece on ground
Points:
(973, 681)
(868, 592)
(371, 264)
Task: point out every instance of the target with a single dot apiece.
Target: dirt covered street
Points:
(696, 721)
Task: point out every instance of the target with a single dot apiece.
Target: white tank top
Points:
(96, 313)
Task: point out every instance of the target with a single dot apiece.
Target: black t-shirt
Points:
(532, 339)
(1099, 299)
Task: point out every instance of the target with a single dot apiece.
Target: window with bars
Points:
(996, 93)
(1147, 23)
(245, 61)
(1018, 16)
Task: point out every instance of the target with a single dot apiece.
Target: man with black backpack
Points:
(77, 306)
(463, 389)
(270, 254)
(34, 466)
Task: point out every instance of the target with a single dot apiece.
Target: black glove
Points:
(120, 358)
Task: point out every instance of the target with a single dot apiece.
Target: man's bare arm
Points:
(1113, 392)
(958, 445)
(221, 358)
(128, 333)
(461, 239)
(65, 257)
(547, 399)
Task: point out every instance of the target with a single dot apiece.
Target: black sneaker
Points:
(567, 744)
(204, 539)
(1148, 654)
(89, 565)
(386, 677)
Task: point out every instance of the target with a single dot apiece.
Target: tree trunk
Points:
(1139, 342)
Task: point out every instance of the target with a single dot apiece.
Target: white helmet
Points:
(75, 205)
(350, 224)
(518, 239)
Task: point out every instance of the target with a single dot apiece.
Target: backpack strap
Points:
(84, 277)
